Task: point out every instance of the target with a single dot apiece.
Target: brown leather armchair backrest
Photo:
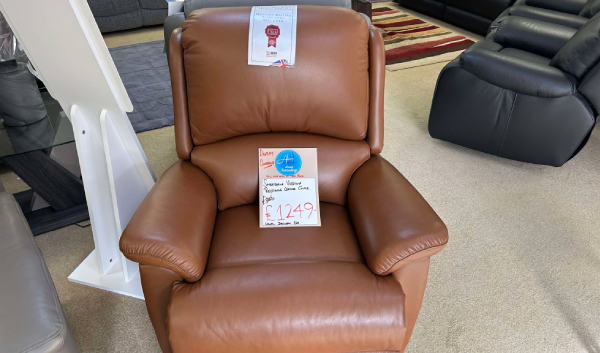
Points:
(226, 109)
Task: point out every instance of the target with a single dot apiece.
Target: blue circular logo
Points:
(288, 162)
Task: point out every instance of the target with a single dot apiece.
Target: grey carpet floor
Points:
(521, 272)
(145, 73)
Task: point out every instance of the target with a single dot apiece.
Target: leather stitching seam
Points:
(190, 275)
(498, 113)
(508, 122)
(391, 267)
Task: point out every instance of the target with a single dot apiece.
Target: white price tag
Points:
(272, 38)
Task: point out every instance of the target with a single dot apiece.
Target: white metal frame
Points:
(64, 44)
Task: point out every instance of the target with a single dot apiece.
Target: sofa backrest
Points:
(226, 109)
(192, 5)
(591, 8)
(582, 51)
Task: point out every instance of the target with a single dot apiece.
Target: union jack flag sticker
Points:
(282, 63)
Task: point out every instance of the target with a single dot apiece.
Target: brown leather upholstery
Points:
(238, 241)
(376, 89)
(264, 101)
(392, 221)
(183, 136)
(157, 283)
(164, 236)
(337, 160)
(216, 282)
(308, 307)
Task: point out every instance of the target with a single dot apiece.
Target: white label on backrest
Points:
(272, 36)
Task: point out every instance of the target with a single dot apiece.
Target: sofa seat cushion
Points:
(31, 318)
(107, 8)
(238, 240)
(308, 307)
(154, 4)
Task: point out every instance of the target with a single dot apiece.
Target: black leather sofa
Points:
(473, 15)
(528, 92)
(570, 13)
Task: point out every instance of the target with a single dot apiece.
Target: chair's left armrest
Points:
(394, 224)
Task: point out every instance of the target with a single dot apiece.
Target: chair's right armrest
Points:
(172, 22)
(566, 6)
(517, 74)
(173, 226)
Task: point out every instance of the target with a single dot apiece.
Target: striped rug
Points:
(410, 41)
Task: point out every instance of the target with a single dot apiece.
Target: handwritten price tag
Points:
(289, 202)
(289, 192)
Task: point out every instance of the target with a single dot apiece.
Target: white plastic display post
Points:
(64, 44)
(174, 6)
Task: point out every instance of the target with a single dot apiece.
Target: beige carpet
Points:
(521, 272)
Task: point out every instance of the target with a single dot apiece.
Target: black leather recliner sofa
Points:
(570, 13)
(529, 92)
(473, 15)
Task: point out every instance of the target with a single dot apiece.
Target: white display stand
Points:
(174, 6)
(64, 44)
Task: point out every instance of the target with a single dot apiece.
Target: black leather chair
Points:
(528, 92)
(473, 15)
(570, 13)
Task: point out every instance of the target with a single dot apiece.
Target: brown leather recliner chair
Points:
(216, 282)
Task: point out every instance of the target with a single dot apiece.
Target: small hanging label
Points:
(272, 39)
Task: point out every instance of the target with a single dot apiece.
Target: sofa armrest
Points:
(173, 226)
(551, 16)
(394, 224)
(172, 22)
(534, 36)
(518, 75)
(566, 6)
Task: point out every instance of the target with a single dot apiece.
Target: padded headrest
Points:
(582, 51)
(326, 93)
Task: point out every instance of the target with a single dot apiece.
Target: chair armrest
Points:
(172, 22)
(534, 36)
(573, 7)
(394, 224)
(173, 226)
(518, 75)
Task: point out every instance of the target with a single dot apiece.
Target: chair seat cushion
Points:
(237, 239)
(308, 307)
